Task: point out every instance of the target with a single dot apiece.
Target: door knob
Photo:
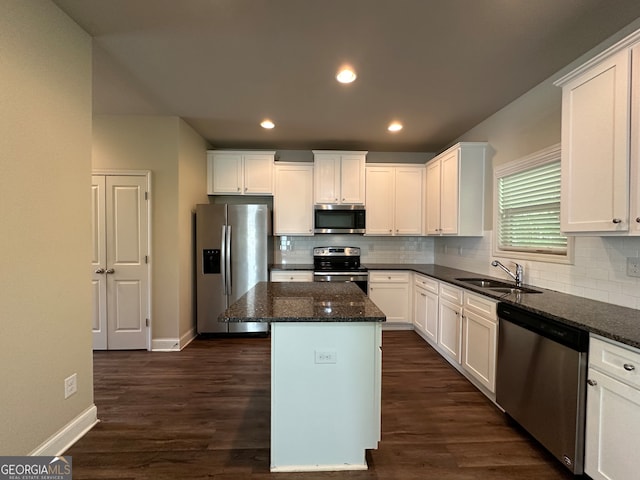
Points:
(100, 270)
(110, 271)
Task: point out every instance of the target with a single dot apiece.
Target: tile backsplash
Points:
(598, 272)
(373, 249)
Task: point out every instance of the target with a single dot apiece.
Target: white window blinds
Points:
(529, 211)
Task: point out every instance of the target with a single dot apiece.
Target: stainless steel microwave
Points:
(339, 219)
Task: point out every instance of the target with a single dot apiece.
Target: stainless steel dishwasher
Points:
(540, 380)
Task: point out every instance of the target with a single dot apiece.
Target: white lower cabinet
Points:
(479, 335)
(291, 276)
(612, 431)
(425, 306)
(389, 290)
(450, 321)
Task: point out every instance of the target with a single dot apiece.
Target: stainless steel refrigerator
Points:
(232, 252)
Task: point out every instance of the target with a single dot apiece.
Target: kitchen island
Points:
(326, 366)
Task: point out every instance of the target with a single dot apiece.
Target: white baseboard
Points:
(60, 442)
(397, 326)
(165, 345)
(320, 468)
(187, 338)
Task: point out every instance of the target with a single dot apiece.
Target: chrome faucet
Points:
(517, 276)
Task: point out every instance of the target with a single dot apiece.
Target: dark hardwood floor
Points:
(204, 413)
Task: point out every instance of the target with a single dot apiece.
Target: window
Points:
(527, 199)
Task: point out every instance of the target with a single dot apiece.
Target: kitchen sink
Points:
(496, 285)
(514, 290)
(485, 282)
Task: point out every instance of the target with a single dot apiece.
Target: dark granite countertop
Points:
(303, 302)
(605, 319)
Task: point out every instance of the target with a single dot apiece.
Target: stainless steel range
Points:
(339, 264)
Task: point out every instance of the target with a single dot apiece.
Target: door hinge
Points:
(147, 321)
(146, 259)
(146, 195)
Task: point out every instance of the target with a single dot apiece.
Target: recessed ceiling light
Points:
(395, 127)
(346, 75)
(268, 124)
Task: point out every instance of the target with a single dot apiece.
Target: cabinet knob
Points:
(628, 367)
(593, 383)
(110, 271)
(100, 270)
(617, 220)
(246, 188)
(238, 189)
(637, 219)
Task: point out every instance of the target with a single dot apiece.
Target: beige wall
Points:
(45, 295)
(192, 189)
(176, 157)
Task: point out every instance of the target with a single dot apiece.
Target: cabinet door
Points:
(595, 148)
(352, 179)
(392, 299)
(420, 307)
(433, 198)
(326, 178)
(449, 328)
(293, 200)
(258, 174)
(226, 173)
(431, 320)
(634, 224)
(612, 429)
(449, 194)
(408, 200)
(425, 314)
(379, 200)
(479, 348)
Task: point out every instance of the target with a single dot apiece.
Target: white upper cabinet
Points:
(455, 191)
(394, 199)
(293, 199)
(600, 150)
(239, 173)
(339, 177)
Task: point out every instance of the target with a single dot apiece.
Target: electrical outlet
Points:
(70, 385)
(326, 356)
(633, 267)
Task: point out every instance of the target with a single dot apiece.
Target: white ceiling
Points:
(438, 66)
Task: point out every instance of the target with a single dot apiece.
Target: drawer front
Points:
(480, 305)
(619, 361)
(427, 283)
(388, 276)
(284, 276)
(451, 293)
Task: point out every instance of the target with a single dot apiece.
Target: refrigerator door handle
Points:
(228, 279)
(223, 262)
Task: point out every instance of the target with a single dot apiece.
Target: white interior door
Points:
(121, 281)
(98, 263)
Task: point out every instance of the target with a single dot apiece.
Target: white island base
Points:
(325, 394)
